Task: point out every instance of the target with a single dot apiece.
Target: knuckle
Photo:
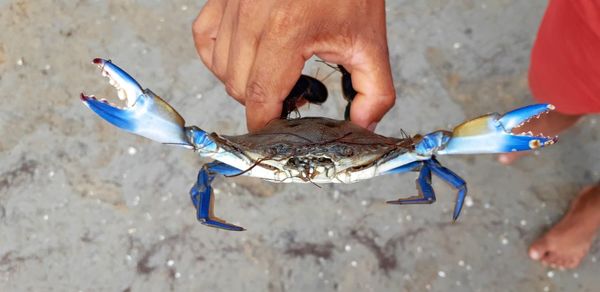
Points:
(216, 69)
(197, 26)
(245, 7)
(232, 89)
(201, 34)
(283, 21)
(256, 92)
(388, 101)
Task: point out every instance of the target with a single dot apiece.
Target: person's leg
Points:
(565, 71)
(567, 243)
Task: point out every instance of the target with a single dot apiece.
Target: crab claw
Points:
(145, 113)
(493, 133)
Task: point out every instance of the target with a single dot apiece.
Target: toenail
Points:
(534, 254)
(503, 159)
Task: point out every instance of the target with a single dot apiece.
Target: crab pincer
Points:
(144, 113)
(495, 133)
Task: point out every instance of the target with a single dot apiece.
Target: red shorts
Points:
(565, 61)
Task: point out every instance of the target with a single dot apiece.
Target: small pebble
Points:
(170, 263)
(442, 274)
(330, 233)
(354, 263)
(336, 194)
(136, 201)
(469, 202)
(131, 150)
(456, 45)
(523, 222)
(546, 288)
(504, 241)
(461, 263)
(550, 274)
(177, 275)
(347, 247)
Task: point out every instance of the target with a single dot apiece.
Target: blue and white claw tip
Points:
(495, 133)
(144, 113)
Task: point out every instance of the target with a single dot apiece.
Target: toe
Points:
(538, 250)
(509, 158)
(561, 264)
(572, 264)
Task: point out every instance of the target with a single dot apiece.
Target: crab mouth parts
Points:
(128, 90)
(525, 128)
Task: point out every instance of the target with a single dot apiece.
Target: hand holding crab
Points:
(316, 150)
(258, 48)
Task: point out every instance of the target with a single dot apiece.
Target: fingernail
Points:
(534, 255)
(372, 126)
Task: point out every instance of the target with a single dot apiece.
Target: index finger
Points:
(372, 79)
(276, 68)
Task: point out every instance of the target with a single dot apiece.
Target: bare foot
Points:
(550, 124)
(567, 243)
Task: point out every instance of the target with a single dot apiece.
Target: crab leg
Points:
(453, 179)
(202, 195)
(426, 194)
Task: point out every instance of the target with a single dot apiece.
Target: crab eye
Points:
(279, 149)
(345, 151)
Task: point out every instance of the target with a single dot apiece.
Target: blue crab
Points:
(317, 150)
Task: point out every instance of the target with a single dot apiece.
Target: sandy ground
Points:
(86, 207)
